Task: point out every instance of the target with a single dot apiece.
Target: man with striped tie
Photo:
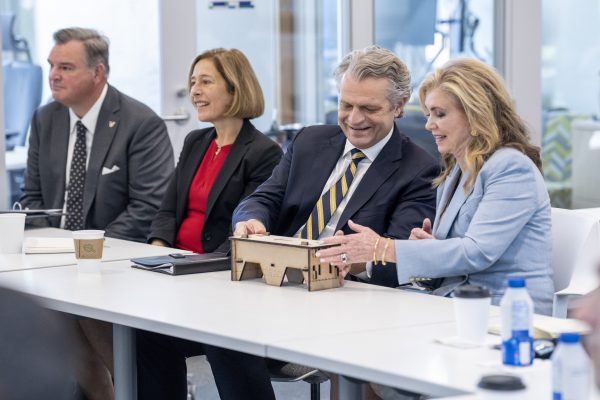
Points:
(363, 170)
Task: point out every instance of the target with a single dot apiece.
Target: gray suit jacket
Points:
(128, 135)
(501, 227)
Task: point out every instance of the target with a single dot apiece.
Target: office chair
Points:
(287, 372)
(412, 125)
(22, 85)
(574, 256)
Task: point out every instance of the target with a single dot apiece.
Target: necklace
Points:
(218, 150)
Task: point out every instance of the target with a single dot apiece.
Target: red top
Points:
(190, 232)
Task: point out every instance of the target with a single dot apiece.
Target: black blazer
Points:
(392, 198)
(249, 163)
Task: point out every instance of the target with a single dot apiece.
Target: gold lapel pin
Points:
(111, 124)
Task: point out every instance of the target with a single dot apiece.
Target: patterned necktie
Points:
(331, 199)
(74, 218)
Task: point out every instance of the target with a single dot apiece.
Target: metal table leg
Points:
(124, 362)
(350, 389)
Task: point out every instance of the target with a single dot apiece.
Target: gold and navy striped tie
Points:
(331, 199)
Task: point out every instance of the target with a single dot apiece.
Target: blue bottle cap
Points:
(569, 337)
(516, 282)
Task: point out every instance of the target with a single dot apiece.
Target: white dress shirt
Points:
(89, 120)
(340, 168)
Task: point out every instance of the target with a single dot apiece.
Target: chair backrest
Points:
(18, 46)
(412, 124)
(573, 233)
(22, 95)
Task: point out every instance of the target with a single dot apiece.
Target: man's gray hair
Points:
(95, 44)
(376, 62)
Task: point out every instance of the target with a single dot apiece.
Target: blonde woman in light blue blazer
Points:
(493, 210)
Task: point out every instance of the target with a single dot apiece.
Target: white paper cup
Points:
(471, 309)
(89, 245)
(12, 229)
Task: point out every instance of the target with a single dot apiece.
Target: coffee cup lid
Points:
(505, 383)
(88, 234)
(471, 292)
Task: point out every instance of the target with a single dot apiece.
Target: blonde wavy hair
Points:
(482, 95)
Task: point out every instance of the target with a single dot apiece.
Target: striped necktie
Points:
(331, 199)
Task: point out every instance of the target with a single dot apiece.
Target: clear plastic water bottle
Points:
(571, 369)
(516, 309)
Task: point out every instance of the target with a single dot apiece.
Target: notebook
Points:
(183, 264)
(46, 245)
(550, 328)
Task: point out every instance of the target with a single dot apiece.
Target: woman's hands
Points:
(423, 232)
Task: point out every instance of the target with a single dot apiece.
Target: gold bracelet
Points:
(387, 242)
(375, 250)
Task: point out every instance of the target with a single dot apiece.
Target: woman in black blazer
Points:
(218, 166)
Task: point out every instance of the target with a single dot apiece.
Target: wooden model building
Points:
(276, 257)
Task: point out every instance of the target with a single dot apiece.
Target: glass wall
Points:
(571, 101)
(292, 45)
(131, 27)
(427, 33)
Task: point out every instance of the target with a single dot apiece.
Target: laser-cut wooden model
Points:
(277, 257)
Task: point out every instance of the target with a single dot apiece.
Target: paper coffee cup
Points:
(471, 309)
(89, 245)
(12, 229)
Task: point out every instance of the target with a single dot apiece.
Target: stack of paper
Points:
(44, 245)
(550, 328)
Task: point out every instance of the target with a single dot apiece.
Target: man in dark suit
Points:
(102, 157)
(363, 170)
(126, 147)
(391, 191)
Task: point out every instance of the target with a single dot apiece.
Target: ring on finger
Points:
(344, 258)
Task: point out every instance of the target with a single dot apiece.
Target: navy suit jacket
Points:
(392, 198)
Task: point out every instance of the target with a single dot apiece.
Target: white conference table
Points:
(408, 358)
(248, 316)
(114, 250)
(411, 358)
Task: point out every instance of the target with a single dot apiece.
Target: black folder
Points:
(183, 264)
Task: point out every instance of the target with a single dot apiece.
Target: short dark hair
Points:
(95, 44)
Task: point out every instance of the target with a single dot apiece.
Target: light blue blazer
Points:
(501, 227)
